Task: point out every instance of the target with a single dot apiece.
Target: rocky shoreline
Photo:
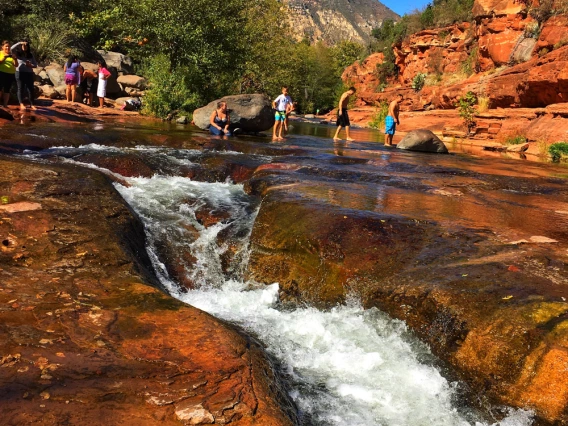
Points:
(86, 335)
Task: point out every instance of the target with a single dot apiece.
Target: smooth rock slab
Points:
(422, 140)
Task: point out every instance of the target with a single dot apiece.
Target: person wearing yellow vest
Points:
(7, 72)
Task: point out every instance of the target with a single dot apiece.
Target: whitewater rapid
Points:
(345, 366)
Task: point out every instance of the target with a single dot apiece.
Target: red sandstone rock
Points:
(554, 31)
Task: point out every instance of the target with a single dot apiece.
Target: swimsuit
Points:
(390, 125)
(343, 118)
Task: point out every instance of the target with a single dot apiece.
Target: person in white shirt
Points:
(281, 104)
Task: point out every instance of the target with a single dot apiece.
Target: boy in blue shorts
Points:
(392, 119)
(281, 104)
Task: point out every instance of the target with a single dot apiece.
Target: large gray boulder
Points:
(56, 74)
(122, 63)
(422, 140)
(252, 113)
(132, 81)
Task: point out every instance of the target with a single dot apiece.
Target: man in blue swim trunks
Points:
(282, 104)
(392, 119)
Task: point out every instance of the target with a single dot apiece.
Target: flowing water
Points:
(344, 366)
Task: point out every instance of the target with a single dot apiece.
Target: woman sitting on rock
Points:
(25, 72)
(7, 72)
(220, 120)
(72, 72)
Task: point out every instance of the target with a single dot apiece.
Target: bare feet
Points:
(335, 138)
(350, 139)
(33, 107)
(22, 107)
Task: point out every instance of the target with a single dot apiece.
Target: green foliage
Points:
(51, 41)
(378, 119)
(516, 140)
(558, 151)
(169, 90)
(347, 52)
(387, 68)
(469, 65)
(465, 107)
(418, 81)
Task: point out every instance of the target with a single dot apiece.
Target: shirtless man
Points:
(342, 116)
(392, 117)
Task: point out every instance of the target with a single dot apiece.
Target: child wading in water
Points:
(104, 74)
(390, 125)
(342, 116)
(281, 104)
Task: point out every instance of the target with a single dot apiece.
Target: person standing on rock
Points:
(392, 120)
(25, 72)
(7, 72)
(343, 116)
(281, 105)
(89, 85)
(220, 120)
(72, 71)
(104, 74)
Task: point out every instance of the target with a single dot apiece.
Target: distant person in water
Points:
(104, 74)
(291, 107)
(220, 120)
(7, 72)
(281, 105)
(72, 72)
(342, 115)
(25, 72)
(392, 119)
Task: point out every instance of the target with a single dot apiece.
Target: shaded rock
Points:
(41, 76)
(56, 74)
(182, 120)
(134, 81)
(49, 92)
(252, 113)
(422, 140)
(6, 115)
(89, 66)
(131, 91)
(122, 63)
(61, 90)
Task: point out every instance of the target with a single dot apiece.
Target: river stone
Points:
(122, 63)
(422, 140)
(133, 81)
(56, 74)
(252, 113)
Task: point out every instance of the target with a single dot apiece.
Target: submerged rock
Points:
(251, 113)
(422, 140)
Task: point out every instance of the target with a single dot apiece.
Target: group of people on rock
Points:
(220, 120)
(17, 64)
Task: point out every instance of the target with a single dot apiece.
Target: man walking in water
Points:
(342, 116)
(392, 117)
(282, 104)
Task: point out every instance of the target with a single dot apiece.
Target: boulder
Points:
(122, 63)
(518, 148)
(252, 113)
(182, 120)
(131, 91)
(61, 90)
(41, 76)
(132, 81)
(56, 74)
(422, 140)
(121, 101)
(89, 66)
(49, 91)
(113, 88)
(6, 115)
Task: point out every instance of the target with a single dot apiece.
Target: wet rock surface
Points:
(85, 340)
(422, 140)
(471, 252)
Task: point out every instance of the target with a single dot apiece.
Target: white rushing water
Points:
(347, 366)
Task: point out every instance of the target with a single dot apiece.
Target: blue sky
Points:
(404, 6)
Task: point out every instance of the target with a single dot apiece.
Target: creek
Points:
(344, 365)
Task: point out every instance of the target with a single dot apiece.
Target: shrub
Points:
(418, 82)
(470, 64)
(532, 30)
(169, 89)
(483, 103)
(561, 43)
(544, 11)
(516, 140)
(558, 151)
(378, 120)
(51, 41)
(465, 107)
(542, 52)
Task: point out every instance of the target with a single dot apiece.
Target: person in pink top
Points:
(104, 74)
